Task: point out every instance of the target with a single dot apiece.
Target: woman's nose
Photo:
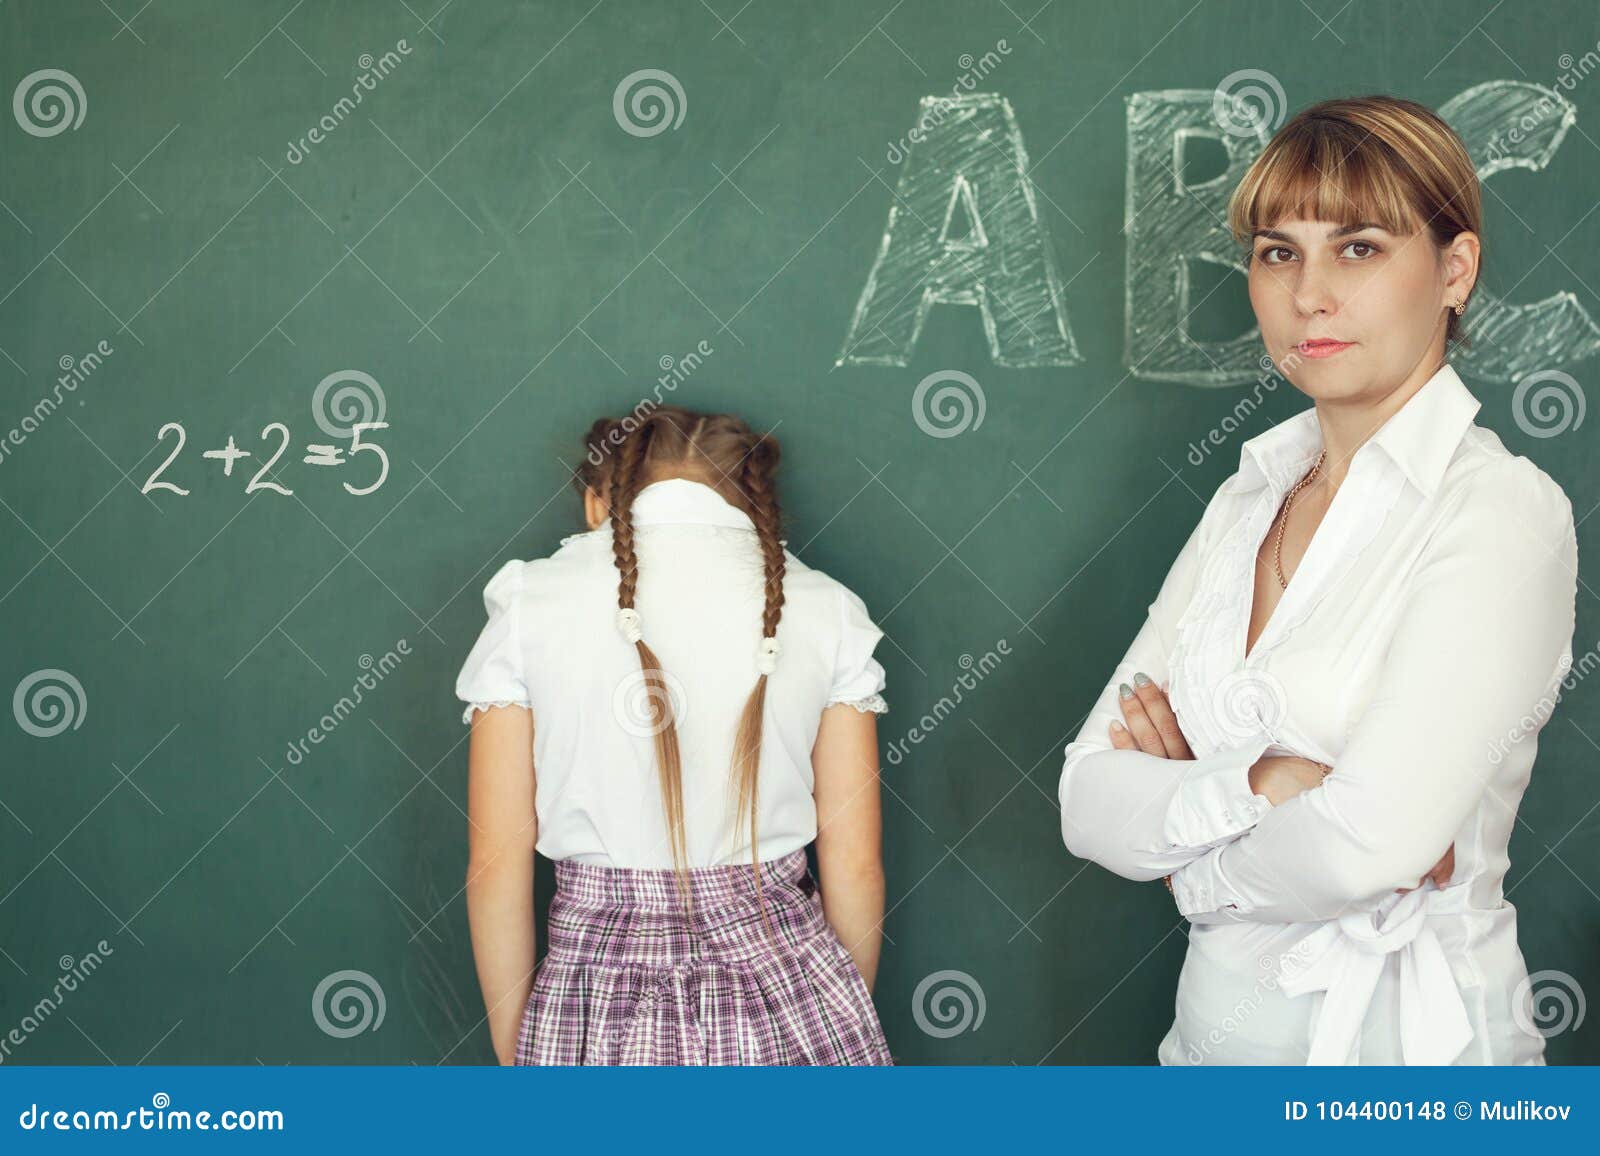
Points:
(1314, 296)
(1315, 293)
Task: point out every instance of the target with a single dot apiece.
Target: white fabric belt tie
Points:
(1345, 957)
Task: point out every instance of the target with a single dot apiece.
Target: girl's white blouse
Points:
(552, 644)
(1418, 650)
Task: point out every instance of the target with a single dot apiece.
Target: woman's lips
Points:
(1323, 348)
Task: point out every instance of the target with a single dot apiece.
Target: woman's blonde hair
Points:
(1380, 159)
(621, 457)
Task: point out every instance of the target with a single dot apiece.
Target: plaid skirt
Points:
(628, 979)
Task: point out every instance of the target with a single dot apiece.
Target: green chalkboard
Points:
(304, 308)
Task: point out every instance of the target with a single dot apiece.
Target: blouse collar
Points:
(1420, 437)
(679, 500)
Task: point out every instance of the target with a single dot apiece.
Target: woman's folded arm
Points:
(1141, 815)
(1483, 639)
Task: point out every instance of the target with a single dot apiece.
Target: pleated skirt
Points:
(628, 979)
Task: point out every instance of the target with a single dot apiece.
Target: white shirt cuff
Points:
(1213, 801)
(1203, 894)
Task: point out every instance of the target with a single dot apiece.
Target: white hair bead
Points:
(767, 658)
(628, 624)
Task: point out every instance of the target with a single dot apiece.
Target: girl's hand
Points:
(1148, 722)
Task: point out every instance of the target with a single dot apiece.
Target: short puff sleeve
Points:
(858, 679)
(492, 674)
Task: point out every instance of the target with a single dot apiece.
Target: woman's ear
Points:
(1461, 258)
(594, 510)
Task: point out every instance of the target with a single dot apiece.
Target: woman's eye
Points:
(1266, 256)
(1367, 245)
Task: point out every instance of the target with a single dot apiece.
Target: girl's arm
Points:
(844, 761)
(503, 828)
(1139, 814)
(1484, 638)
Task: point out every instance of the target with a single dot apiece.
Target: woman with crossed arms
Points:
(1321, 734)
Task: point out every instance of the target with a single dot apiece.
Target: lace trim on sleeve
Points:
(466, 715)
(873, 703)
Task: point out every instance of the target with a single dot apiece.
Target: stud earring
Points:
(1461, 307)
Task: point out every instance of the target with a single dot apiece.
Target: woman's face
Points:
(1382, 293)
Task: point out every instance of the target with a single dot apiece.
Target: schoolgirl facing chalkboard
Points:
(672, 707)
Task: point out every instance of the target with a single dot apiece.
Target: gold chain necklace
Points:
(1283, 519)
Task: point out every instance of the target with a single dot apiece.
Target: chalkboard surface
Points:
(304, 307)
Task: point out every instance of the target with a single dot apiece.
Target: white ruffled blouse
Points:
(1417, 650)
(552, 643)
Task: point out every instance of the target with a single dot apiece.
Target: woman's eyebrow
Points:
(1341, 231)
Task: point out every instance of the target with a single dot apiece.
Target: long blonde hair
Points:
(1383, 159)
(621, 457)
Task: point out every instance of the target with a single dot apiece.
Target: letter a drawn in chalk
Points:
(964, 229)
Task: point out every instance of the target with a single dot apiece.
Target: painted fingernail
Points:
(1141, 679)
(1124, 690)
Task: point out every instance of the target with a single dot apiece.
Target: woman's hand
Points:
(1442, 870)
(1151, 726)
(1282, 777)
(1148, 722)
